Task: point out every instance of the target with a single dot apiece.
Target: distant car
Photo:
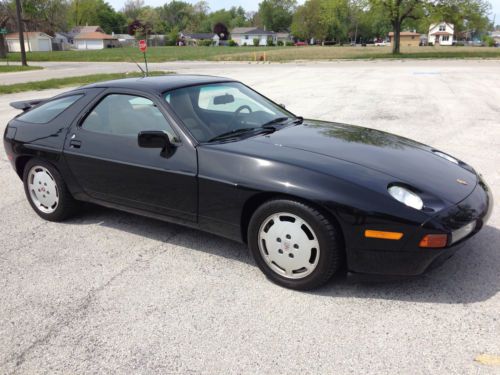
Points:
(300, 44)
(382, 43)
(308, 197)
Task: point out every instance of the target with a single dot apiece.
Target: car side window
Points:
(48, 111)
(126, 115)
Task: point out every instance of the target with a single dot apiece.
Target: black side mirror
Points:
(156, 139)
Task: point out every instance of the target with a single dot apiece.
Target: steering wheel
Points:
(238, 112)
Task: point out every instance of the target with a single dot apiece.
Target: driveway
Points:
(111, 292)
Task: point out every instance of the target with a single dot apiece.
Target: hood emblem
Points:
(462, 182)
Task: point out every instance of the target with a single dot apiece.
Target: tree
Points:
(397, 12)
(46, 15)
(96, 12)
(321, 20)
(277, 15)
(132, 8)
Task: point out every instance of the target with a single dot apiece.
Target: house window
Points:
(442, 27)
(445, 38)
(246, 37)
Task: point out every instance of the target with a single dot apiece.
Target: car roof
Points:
(159, 84)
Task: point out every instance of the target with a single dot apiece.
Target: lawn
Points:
(70, 81)
(17, 68)
(161, 54)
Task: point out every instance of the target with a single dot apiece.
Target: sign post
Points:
(3, 31)
(143, 46)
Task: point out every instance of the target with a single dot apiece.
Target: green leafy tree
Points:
(397, 12)
(277, 15)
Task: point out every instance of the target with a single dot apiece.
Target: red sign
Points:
(142, 45)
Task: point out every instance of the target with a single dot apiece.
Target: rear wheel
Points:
(294, 244)
(47, 192)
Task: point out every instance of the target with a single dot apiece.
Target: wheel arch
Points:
(254, 202)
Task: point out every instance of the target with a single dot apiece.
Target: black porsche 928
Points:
(310, 198)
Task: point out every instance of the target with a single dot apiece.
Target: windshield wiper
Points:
(274, 121)
(234, 133)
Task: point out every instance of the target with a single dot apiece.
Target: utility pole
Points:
(21, 33)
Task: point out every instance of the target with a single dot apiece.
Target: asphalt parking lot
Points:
(111, 292)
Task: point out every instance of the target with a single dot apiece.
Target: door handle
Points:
(74, 143)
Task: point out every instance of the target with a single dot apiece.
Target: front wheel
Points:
(294, 244)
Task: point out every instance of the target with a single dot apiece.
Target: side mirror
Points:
(156, 139)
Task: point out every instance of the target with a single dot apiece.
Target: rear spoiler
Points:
(24, 105)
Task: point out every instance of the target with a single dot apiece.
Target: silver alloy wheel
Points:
(289, 245)
(43, 189)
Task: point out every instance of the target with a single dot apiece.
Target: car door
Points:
(103, 154)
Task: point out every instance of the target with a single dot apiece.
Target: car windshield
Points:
(225, 111)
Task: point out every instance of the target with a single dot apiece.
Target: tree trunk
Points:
(21, 33)
(3, 49)
(397, 38)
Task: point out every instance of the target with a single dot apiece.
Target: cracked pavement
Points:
(110, 292)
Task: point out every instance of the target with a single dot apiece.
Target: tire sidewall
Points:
(328, 244)
(62, 210)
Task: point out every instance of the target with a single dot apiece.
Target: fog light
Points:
(434, 240)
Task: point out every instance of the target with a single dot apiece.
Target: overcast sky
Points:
(253, 4)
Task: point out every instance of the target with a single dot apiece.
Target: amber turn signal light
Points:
(434, 240)
(383, 235)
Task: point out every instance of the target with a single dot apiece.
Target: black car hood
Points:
(404, 160)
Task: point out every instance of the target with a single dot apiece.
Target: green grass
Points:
(154, 54)
(70, 81)
(17, 68)
(280, 54)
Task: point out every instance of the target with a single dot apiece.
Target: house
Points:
(34, 41)
(95, 40)
(441, 34)
(406, 38)
(283, 37)
(244, 36)
(82, 30)
(60, 42)
(125, 40)
(195, 38)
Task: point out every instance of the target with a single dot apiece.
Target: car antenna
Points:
(144, 74)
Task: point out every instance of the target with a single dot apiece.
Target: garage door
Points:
(94, 44)
(44, 45)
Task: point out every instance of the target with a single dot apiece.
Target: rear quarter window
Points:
(50, 110)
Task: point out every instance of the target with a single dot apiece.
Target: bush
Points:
(205, 43)
(232, 43)
(289, 44)
(270, 42)
(280, 43)
(256, 42)
(430, 44)
(488, 40)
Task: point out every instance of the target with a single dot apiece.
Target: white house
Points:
(194, 38)
(441, 34)
(34, 41)
(244, 36)
(95, 40)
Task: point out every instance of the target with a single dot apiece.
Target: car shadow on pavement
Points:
(471, 275)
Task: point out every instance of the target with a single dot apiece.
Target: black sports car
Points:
(309, 197)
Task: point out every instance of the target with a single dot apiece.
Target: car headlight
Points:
(406, 197)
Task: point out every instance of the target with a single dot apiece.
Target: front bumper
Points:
(412, 260)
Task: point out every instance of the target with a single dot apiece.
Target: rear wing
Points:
(24, 105)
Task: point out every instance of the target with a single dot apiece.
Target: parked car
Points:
(300, 44)
(382, 43)
(310, 198)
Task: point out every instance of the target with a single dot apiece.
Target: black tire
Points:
(66, 205)
(331, 254)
